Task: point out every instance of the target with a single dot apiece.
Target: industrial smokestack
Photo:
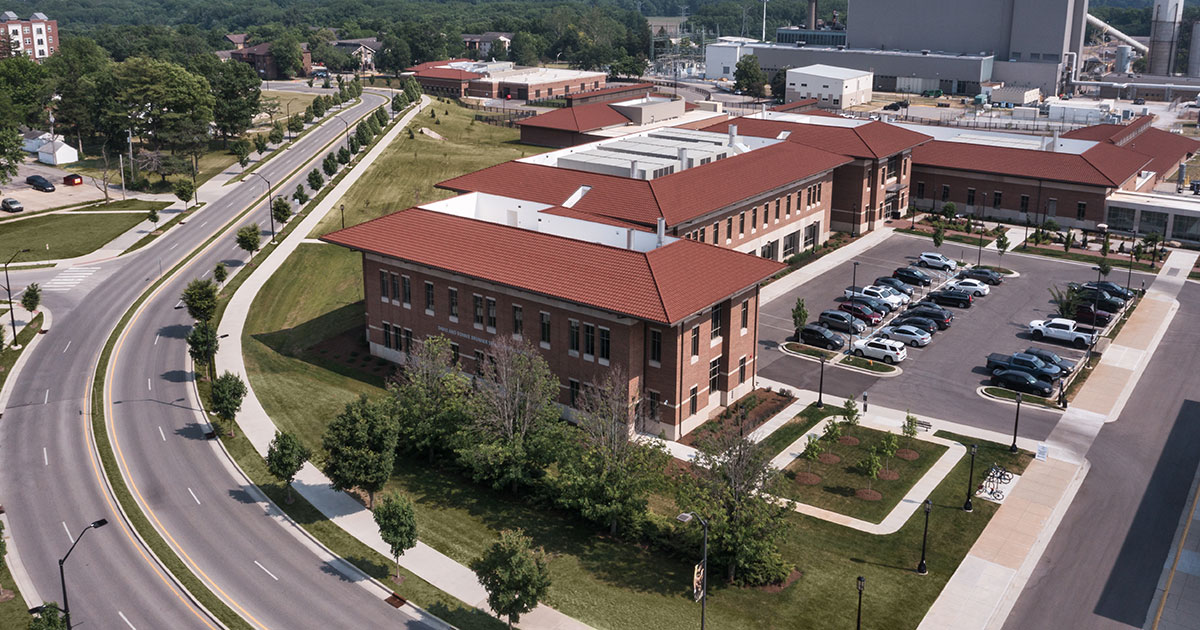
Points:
(1193, 69)
(812, 15)
(1164, 35)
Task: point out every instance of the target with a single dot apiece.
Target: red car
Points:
(861, 312)
(1087, 314)
(72, 180)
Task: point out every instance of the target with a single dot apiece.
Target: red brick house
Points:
(259, 56)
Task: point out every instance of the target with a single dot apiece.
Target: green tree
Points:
(398, 102)
(869, 466)
(48, 618)
(285, 457)
(949, 210)
(164, 102)
(527, 48)
(354, 147)
(152, 215)
(394, 56)
(514, 431)
(32, 298)
(362, 133)
(228, 391)
(850, 413)
(295, 124)
(1066, 302)
(361, 446)
(910, 425)
(276, 134)
(220, 272)
(397, 521)
(1105, 267)
(249, 238)
(1002, 244)
(799, 316)
(5, 594)
(343, 155)
(515, 576)
(939, 236)
(318, 107)
(288, 56)
(81, 73)
(1068, 240)
(381, 118)
(203, 344)
(813, 450)
(608, 478)
(241, 149)
(260, 144)
(28, 86)
(315, 181)
(308, 113)
(330, 164)
(237, 94)
(12, 153)
(1150, 243)
(281, 210)
(748, 77)
(887, 448)
(200, 298)
(833, 430)
(184, 189)
(779, 84)
(430, 392)
(300, 196)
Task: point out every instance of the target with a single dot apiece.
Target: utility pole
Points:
(132, 166)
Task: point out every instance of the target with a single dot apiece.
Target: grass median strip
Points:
(1008, 394)
(809, 350)
(868, 364)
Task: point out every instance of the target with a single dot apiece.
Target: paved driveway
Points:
(941, 379)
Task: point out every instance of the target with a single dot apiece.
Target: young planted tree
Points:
(227, 394)
(295, 124)
(1105, 248)
(315, 181)
(152, 215)
(276, 133)
(888, 447)
(813, 450)
(870, 466)
(949, 210)
(202, 344)
(318, 107)
(281, 210)
(833, 430)
(910, 426)
(799, 316)
(515, 576)
(220, 272)
(50, 617)
(184, 190)
(608, 477)
(249, 238)
(362, 133)
(32, 298)
(200, 298)
(300, 196)
(1105, 267)
(939, 236)
(353, 145)
(361, 446)
(513, 432)
(241, 149)
(1002, 245)
(260, 144)
(850, 412)
(1150, 244)
(343, 155)
(1068, 240)
(1066, 302)
(329, 164)
(308, 113)
(397, 521)
(285, 457)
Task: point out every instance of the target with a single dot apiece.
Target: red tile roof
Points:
(677, 198)
(872, 140)
(1102, 165)
(1165, 149)
(580, 118)
(800, 104)
(660, 285)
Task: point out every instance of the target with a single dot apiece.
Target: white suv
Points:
(886, 350)
(935, 260)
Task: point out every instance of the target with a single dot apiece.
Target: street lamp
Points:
(967, 507)
(862, 581)
(347, 132)
(1095, 313)
(821, 385)
(1016, 423)
(1025, 243)
(1129, 279)
(687, 517)
(270, 210)
(979, 260)
(8, 287)
(62, 576)
(854, 275)
(922, 569)
(343, 209)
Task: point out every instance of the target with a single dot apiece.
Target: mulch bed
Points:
(868, 495)
(848, 440)
(889, 475)
(769, 404)
(807, 478)
(775, 588)
(907, 454)
(829, 458)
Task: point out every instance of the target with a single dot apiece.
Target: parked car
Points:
(37, 182)
(71, 179)
(915, 277)
(1139, 101)
(905, 333)
(876, 304)
(920, 323)
(879, 293)
(895, 294)
(934, 313)
(1112, 288)
(11, 205)
(1066, 365)
(951, 297)
(862, 312)
(894, 283)
(1086, 313)
(974, 287)
(934, 260)
(821, 337)
(845, 322)
(983, 275)
(997, 362)
(884, 350)
(1060, 329)
(1099, 297)
(1022, 382)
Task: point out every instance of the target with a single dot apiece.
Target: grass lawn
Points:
(289, 102)
(1008, 394)
(811, 351)
(216, 159)
(868, 364)
(408, 169)
(1118, 261)
(127, 205)
(57, 236)
(13, 613)
(796, 427)
(841, 479)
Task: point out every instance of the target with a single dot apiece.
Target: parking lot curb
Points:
(896, 370)
(983, 394)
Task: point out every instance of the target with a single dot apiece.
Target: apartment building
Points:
(35, 37)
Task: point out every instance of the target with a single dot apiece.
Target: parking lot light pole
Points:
(343, 209)
(922, 568)
(62, 576)
(11, 310)
(821, 385)
(1129, 279)
(1016, 423)
(1095, 314)
(854, 275)
(979, 260)
(861, 583)
(967, 507)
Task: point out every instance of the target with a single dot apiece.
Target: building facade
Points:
(35, 37)
(834, 88)
(260, 57)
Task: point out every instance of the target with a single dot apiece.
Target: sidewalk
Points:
(987, 584)
(429, 564)
(822, 265)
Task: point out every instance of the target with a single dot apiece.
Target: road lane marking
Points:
(66, 529)
(156, 340)
(164, 435)
(204, 224)
(46, 398)
(267, 572)
(45, 457)
(173, 247)
(194, 496)
(126, 620)
(68, 346)
(148, 385)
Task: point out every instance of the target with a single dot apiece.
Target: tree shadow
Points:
(177, 376)
(233, 262)
(175, 331)
(880, 564)
(841, 491)
(346, 506)
(193, 431)
(355, 569)
(241, 495)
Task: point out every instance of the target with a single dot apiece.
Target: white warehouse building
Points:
(833, 87)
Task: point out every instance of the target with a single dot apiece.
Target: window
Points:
(491, 314)
(573, 387)
(383, 284)
(791, 243)
(777, 205)
(407, 340)
(970, 196)
(695, 341)
(546, 329)
(429, 298)
(716, 231)
(656, 346)
(715, 332)
(945, 192)
(387, 335)
(652, 402)
(787, 205)
(589, 340)
(454, 354)
(741, 370)
(920, 190)
(703, 236)
(518, 320)
(741, 224)
(745, 314)
(478, 299)
(1024, 203)
(729, 229)
(754, 217)
(573, 337)
(479, 361)
(692, 401)
(996, 199)
(1052, 207)
(605, 344)
(714, 374)
(1080, 210)
(395, 287)
(453, 303)
(407, 285)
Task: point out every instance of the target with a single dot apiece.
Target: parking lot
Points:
(941, 379)
(34, 200)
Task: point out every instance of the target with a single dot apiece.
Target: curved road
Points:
(51, 481)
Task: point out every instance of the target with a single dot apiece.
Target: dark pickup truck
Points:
(1023, 362)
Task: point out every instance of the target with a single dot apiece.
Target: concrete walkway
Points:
(430, 565)
(987, 584)
(822, 265)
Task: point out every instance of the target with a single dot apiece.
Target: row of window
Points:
(782, 209)
(998, 201)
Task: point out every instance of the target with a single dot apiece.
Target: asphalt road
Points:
(940, 380)
(50, 481)
(1104, 561)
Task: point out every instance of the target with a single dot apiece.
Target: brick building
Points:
(35, 37)
(590, 295)
(502, 79)
(263, 61)
(580, 124)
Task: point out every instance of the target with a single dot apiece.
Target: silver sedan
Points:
(910, 335)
